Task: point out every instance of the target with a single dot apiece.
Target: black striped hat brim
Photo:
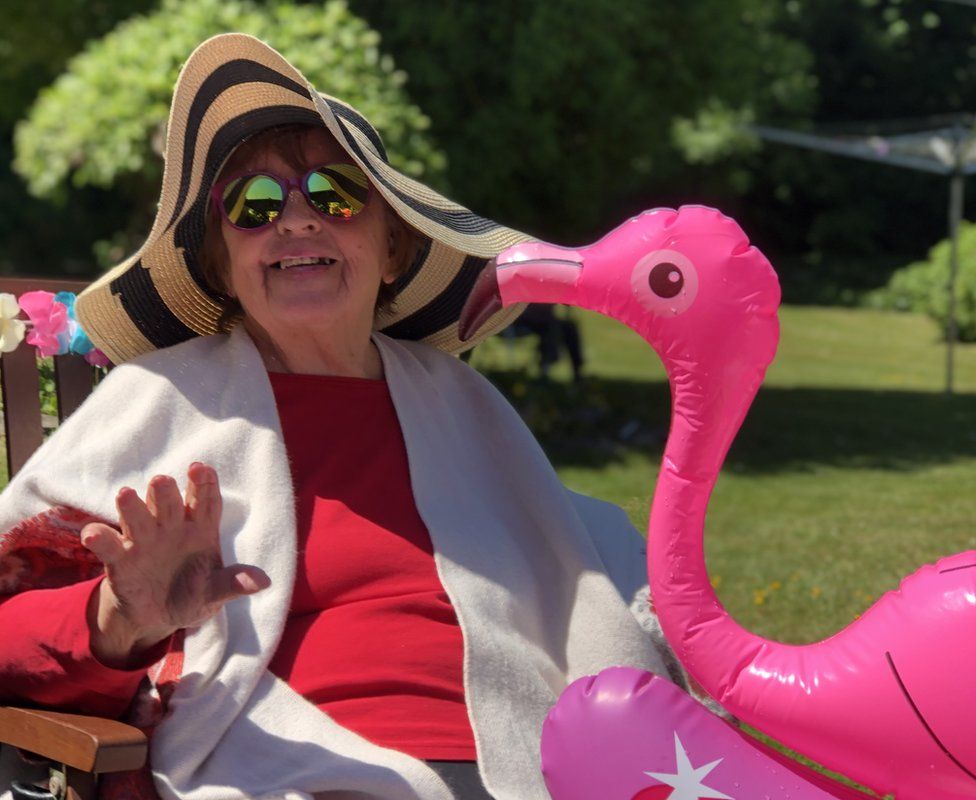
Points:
(230, 88)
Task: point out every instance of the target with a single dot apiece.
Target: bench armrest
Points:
(89, 744)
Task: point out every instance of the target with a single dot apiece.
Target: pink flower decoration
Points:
(96, 358)
(49, 319)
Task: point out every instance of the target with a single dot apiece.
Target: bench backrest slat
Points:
(21, 406)
(20, 380)
(73, 378)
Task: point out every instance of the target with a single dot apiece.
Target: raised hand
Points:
(163, 568)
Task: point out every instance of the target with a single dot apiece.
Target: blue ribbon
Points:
(74, 340)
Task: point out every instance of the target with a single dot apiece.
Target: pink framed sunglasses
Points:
(253, 201)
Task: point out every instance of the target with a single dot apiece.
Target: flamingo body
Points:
(888, 701)
(604, 720)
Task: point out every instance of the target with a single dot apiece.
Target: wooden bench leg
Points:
(65, 783)
(81, 785)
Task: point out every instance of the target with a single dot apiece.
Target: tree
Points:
(921, 286)
(34, 48)
(101, 123)
(559, 117)
(874, 61)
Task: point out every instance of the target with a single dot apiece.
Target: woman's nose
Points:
(298, 215)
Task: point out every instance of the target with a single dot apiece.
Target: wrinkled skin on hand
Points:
(163, 565)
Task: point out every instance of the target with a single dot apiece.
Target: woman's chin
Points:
(307, 293)
(316, 311)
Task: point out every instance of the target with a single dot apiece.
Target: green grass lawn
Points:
(851, 470)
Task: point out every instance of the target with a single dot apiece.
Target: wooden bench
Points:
(78, 747)
(20, 381)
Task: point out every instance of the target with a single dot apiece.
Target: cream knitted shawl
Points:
(548, 585)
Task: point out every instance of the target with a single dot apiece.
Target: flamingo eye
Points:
(665, 282)
(665, 279)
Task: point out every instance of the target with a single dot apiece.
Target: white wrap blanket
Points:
(548, 585)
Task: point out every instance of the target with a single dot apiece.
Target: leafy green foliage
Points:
(878, 65)
(559, 118)
(102, 122)
(715, 132)
(34, 49)
(922, 285)
(49, 400)
(35, 44)
(887, 59)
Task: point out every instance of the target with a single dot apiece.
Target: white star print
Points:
(687, 781)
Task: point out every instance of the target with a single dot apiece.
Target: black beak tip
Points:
(483, 302)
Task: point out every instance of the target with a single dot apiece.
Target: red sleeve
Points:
(46, 659)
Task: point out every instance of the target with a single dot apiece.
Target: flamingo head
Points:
(688, 281)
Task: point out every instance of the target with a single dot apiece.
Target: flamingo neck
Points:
(704, 420)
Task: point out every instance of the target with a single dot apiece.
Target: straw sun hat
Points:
(230, 88)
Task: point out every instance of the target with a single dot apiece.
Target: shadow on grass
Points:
(605, 420)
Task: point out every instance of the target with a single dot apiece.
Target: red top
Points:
(48, 662)
(372, 638)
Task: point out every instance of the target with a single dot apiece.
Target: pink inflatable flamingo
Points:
(889, 700)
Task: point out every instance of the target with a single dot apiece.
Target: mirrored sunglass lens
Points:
(252, 201)
(338, 190)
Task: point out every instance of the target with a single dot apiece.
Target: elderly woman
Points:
(388, 588)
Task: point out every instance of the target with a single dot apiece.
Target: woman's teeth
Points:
(287, 263)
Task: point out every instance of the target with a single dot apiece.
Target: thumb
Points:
(237, 580)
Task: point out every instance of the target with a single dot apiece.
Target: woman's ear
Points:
(392, 258)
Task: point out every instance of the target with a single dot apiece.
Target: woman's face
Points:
(337, 298)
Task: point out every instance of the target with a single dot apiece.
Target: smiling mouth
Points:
(297, 263)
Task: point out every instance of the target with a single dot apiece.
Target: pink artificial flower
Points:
(96, 358)
(49, 320)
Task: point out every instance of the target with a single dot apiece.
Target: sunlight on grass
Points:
(862, 348)
(851, 471)
(819, 347)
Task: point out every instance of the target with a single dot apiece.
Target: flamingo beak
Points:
(532, 272)
(484, 300)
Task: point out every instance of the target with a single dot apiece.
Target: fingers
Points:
(105, 542)
(203, 502)
(135, 518)
(237, 580)
(164, 506)
(164, 501)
